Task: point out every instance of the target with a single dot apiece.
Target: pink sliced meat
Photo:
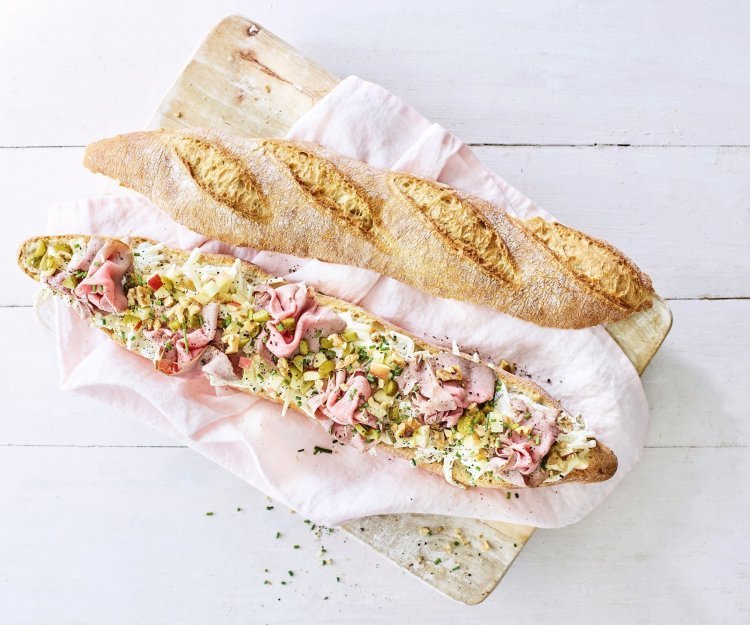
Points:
(79, 262)
(341, 405)
(341, 401)
(217, 365)
(285, 301)
(522, 453)
(477, 379)
(433, 400)
(199, 338)
(174, 355)
(102, 287)
(441, 401)
(312, 321)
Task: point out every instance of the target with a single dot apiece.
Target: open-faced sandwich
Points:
(367, 382)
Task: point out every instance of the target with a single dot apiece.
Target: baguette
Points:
(303, 199)
(151, 281)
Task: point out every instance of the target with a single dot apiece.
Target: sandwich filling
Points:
(364, 383)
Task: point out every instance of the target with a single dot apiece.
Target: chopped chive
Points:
(437, 561)
(209, 513)
(269, 507)
(321, 450)
(278, 534)
(296, 546)
(455, 568)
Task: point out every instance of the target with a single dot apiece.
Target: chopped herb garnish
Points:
(278, 534)
(455, 568)
(239, 509)
(321, 450)
(209, 513)
(296, 546)
(269, 507)
(437, 561)
(291, 573)
(299, 451)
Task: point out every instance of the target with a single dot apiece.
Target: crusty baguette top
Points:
(303, 199)
(62, 261)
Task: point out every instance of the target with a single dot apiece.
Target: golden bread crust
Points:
(303, 199)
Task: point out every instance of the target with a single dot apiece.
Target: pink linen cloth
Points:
(249, 437)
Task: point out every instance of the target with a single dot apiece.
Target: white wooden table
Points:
(628, 120)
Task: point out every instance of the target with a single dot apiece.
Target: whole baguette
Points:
(302, 199)
(602, 460)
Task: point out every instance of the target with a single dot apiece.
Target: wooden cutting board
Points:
(246, 81)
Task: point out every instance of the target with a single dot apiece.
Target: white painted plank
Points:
(697, 385)
(552, 72)
(681, 214)
(121, 536)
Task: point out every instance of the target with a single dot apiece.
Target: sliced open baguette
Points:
(56, 261)
(303, 199)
